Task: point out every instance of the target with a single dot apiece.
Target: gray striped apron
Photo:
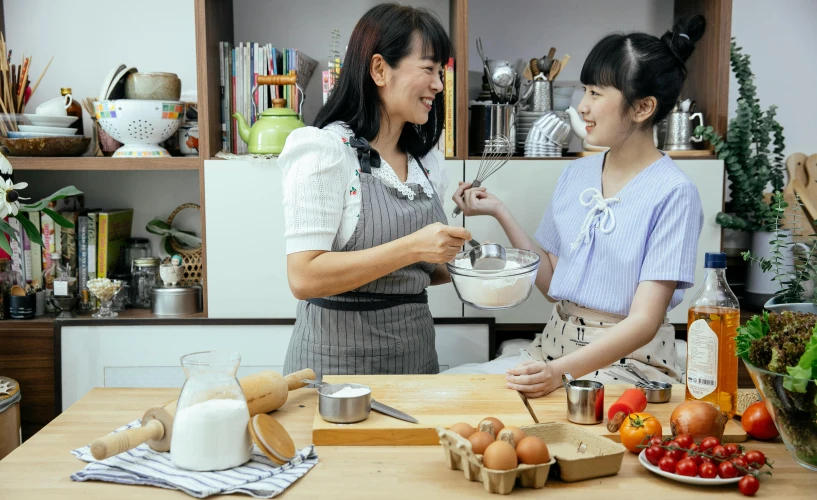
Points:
(383, 327)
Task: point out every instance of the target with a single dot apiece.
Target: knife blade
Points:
(392, 412)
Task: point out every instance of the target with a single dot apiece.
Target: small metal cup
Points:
(585, 400)
(343, 410)
(660, 392)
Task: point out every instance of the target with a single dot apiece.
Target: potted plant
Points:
(793, 264)
(753, 155)
(780, 352)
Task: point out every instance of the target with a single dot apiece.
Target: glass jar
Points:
(135, 248)
(144, 277)
(210, 430)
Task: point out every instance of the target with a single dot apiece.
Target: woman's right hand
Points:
(476, 201)
(438, 243)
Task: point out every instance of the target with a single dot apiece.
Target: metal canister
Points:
(489, 121)
(175, 301)
(542, 99)
(144, 278)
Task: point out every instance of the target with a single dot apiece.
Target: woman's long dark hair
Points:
(388, 30)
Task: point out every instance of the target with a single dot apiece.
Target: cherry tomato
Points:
(749, 485)
(740, 465)
(667, 464)
(684, 440)
(676, 453)
(709, 443)
(707, 470)
(720, 452)
(706, 460)
(732, 448)
(755, 459)
(757, 422)
(655, 440)
(687, 467)
(727, 470)
(654, 454)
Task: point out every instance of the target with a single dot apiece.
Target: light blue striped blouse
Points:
(648, 231)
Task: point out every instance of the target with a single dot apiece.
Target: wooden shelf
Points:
(104, 164)
(702, 155)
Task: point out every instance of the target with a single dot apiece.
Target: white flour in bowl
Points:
(351, 392)
(211, 436)
(492, 292)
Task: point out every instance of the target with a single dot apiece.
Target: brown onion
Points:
(699, 419)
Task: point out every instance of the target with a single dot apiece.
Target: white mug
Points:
(56, 106)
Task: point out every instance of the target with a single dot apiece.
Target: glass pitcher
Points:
(210, 425)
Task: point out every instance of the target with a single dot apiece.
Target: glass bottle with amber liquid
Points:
(75, 109)
(714, 316)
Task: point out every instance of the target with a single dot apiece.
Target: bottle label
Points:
(702, 359)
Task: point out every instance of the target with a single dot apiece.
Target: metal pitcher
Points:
(679, 131)
(585, 400)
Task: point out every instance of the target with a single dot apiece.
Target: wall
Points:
(88, 38)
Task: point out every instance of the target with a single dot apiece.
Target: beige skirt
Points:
(571, 327)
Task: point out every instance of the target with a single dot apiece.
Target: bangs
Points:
(435, 44)
(608, 65)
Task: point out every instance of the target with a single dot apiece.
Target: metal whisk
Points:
(496, 154)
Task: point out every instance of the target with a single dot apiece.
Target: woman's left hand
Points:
(534, 379)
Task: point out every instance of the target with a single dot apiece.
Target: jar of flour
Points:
(210, 427)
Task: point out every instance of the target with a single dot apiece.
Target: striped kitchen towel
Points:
(259, 478)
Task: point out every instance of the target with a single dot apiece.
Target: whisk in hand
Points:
(496, 154)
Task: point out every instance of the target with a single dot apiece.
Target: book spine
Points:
(82, 272)
(450, 150)
(102, 247)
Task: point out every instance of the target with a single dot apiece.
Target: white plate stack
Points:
(45, 126)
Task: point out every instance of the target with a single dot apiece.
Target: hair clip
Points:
(684, 35)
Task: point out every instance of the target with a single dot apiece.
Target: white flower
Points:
(5, 166)
(9, 204)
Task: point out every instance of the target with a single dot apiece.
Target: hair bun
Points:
(693, 27)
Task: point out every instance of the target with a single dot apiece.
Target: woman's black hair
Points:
(388, 30)
(642, 65)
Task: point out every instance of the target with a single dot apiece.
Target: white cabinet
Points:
(442, 299)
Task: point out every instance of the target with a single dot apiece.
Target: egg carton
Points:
(460, 456)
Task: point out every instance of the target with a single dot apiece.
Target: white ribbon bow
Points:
(600, 212)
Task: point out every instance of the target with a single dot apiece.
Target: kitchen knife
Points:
(388, 410)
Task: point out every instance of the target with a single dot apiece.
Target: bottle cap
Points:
(271, 437)
(715, 260)
(65, 90)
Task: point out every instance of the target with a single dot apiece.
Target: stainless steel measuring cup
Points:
(487, 257)
(342, 410)
(585, 400)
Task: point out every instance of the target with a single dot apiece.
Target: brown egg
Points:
(480, 441)
(532, 451)
(497, 424)
(463, 429)
(518, 434)
(500, 456)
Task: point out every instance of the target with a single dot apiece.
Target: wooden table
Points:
(41, 467)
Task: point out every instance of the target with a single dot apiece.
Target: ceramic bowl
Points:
(139, 124)
(153, 86)
(47, 146)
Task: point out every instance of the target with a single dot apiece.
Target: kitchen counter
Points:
(42, 466)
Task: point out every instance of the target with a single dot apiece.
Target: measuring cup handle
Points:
(567, 379)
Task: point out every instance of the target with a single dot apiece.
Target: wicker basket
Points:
(191, 258)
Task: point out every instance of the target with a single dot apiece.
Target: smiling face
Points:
(407, 91)
(601, 110)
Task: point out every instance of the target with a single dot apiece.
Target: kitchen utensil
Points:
(272, 439)
(585, 400)
(542, 99)
(264, 391)
(139, 125)
(547, 61)
(502, 73)
(175, 301)
(117, 88)
(632, 368)
(347, 410)
(55, 106)
(554, 70)
(482, 57)
(657, 392)
(493, 158)
(486, 257)
(631, 401)
(679, 131)
(528, 72)
(811, 170)
(488, 123)
(269, 133)
(106, 83)
(562, 64)
(625, 376)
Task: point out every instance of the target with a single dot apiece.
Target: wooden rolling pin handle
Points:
(615, 424)
(120, 442)
(276, 80)
(294, 379)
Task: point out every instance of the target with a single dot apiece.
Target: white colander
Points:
(139, 124)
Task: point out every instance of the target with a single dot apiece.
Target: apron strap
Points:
(370, 302)
(369, 158)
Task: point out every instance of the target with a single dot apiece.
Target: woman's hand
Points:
(438, 243)
(534, 379)
(476, 201)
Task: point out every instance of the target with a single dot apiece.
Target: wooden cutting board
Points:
(553, 408)
(434, 400)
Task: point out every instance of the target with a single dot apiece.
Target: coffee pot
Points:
(679, 127)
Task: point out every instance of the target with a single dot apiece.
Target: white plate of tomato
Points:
(697, 479)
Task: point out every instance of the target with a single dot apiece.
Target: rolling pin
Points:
(264, 391)
(631, 401)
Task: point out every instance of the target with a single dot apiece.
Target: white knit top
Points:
(321, 185)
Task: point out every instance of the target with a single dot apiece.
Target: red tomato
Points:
(694, 456)
(709, 443)
(684, 440)
(654, 454)
(757, 422)
(749, 485)
(706, 460)
(732, 448)
(667, 464)
(655, 440)
(755, 459)
(720, 452)
(707, 470)
(687, 467)
(676, 453)
(727, 470)
(740, 465)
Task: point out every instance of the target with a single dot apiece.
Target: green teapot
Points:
(269, 133)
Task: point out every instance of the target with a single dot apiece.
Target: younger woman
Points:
(619, 239)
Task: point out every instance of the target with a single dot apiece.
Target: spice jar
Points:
(144, 277)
